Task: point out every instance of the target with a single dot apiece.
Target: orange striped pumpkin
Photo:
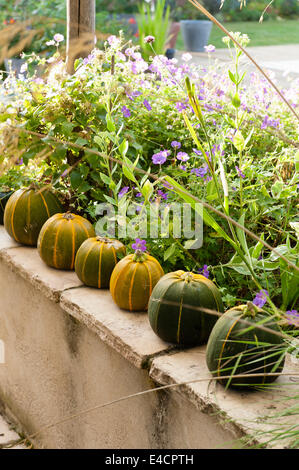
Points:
(26, 212)
(96, 259)
(133, 280)
(61, 237)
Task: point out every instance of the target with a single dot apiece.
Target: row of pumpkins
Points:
(179, 304)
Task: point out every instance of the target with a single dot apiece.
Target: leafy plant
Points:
(156, 25)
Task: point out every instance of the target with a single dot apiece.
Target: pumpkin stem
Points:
(68, 216)
(187, 277)
(139, 256)
(251, 310)
(103, 239)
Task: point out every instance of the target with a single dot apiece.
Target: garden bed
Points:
(69, 348)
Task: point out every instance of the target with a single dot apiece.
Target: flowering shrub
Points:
(238, 154)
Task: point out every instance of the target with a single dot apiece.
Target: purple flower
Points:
(204, 271)
(240, 172)
(267, 122)
(139, 245)
(183, 167)
(210, 48)
(87, 59)
(292, 317)
(126, 112)
(149, 39)
(261, 298)
(197, 152)
(138, 195)
(138, 208)
(201, 172)
(133, 95)
(160, 157)
(175, 144)
(123, 191)
(19, 162)
(183, 156)
(162, 195)
(180, 106)
(147, 105)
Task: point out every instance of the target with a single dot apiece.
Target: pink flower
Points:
(149, 39)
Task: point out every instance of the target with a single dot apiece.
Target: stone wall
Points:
(69, 349)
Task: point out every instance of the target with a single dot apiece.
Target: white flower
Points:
(50, 43)
(186, 57)
(23, 68)
(58, 37)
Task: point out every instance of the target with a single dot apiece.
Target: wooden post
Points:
(80, 30)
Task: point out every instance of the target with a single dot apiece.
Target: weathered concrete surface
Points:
(239, 412)
(6, 241)
(56, 367)
(128, 333)
(27, 263)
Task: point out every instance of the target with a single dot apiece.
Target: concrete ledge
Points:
(128, 333)
(69, 349)
(239, 412)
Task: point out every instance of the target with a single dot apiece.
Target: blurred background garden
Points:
(27, 25)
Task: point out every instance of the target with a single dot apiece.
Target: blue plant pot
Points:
(196, 34)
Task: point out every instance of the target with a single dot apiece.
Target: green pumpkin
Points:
(231, 350)
(26, 212)
(4, 196)
(173, 308)
(60, 239)
(96, 259)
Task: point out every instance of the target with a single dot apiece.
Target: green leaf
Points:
(67, 127)
(84, 187)
(239, 141)
(169, 252)
(110, 123)
(80, 141)
(208, 218)
(105, 178)
(147, 190)
(256, 251)
(75, 179)
(232, 77)
(123, 148)
(128, 169)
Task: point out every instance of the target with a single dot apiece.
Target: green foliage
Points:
(153, 24)
(238, 159)
(46, 17)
